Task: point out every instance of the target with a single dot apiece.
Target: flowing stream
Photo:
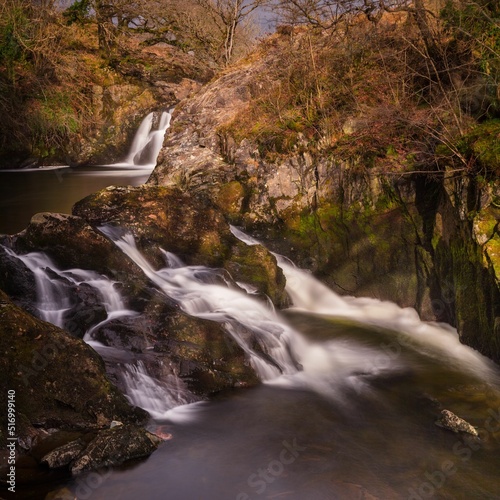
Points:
(148, 141)
(352, 389)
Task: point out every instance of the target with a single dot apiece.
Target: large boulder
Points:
(190, 226)
(59, 382)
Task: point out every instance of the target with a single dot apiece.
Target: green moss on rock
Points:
(59, 381)
(230, 199)
(210, 359)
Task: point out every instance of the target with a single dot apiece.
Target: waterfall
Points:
(53, 285)
(244, 317)
(155, 396)
(436, 340)
(53, 304)
(147, 142)
(279, 354)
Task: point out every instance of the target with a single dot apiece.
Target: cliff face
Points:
(151, 77)
(424, 241)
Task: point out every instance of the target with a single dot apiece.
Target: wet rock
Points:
(64, 455)
(17, 280)
(128, 333)
(108, 447)
(87, 310)
(71, 243)
(59, 381)
(190, 226)
(448, 420)
(112, 447)
(207, 357)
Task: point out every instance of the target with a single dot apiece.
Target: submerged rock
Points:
(448, 420)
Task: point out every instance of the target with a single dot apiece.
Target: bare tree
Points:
(228, 16)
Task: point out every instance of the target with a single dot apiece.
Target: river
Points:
(353, 418)
(364, 434)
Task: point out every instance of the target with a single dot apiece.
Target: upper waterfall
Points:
(147, 142)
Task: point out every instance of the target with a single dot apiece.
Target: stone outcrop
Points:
(109, 448)
(424, 241)
(59, 381)
(448, 420)
(189, 225)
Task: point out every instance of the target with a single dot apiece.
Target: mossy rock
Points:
(484, 144)
(59, 381)
(256, 265)
(191, 227)
(230, 199)
(210, 359)
(71, 243)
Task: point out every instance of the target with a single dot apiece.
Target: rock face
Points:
(428, 242)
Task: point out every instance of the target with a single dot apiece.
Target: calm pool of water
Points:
(25, 193)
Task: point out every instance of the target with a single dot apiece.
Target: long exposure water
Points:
(350, 413)
(56, 189)
(353, 418)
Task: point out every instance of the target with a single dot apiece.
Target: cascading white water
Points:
(51, 283)
(285, 357)
(328, 367)
(155, 396)
(244, 317)
(147, 142)
(53, 302)
(435, 340)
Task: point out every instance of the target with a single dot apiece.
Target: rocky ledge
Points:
(61, 382)
(59, 385)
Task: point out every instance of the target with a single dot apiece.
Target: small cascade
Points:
(278, 353)
(153, 395)
(54, 286)
(147, 142)
(52, 297)
(244, 317)
(436, 340)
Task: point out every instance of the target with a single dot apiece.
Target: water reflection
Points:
(24, 193)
